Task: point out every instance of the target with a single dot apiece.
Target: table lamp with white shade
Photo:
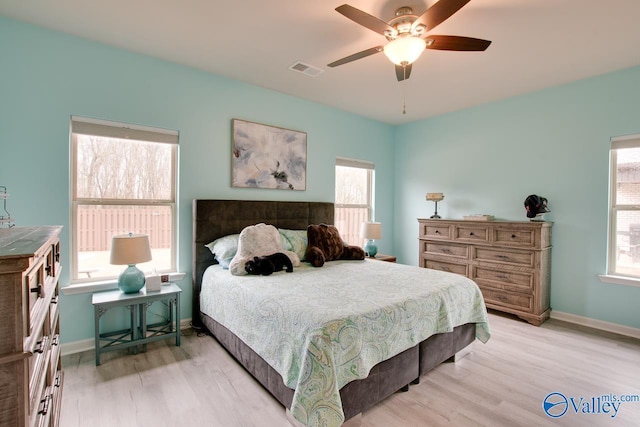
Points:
(371, 231)
(130, 249)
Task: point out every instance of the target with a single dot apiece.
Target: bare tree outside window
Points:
(121, 186)
(111, 168)
(353, 199)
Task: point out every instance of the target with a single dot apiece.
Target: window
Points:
(353, 202)
(123, 181)
(624, 210)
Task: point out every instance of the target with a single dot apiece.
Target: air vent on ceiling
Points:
(307, 69)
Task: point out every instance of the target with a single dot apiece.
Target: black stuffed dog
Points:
(265, 265)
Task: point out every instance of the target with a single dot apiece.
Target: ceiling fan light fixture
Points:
(404, 50)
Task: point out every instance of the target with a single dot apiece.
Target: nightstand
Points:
(384, 257)
(139, 333)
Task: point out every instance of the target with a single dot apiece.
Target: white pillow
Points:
(224, 249)
(258, 240)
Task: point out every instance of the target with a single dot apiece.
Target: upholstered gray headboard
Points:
(217, 218)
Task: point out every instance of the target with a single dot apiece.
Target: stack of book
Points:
(478, 217)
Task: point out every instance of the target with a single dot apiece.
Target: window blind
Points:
(86, 126)
(353, 163)
(627, 141)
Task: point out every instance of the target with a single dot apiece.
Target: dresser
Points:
(509, 260)
(30, 372)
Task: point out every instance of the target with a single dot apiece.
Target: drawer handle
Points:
(55, 340)
(54, 300)
(502, 257)
(45, 405)
(57, 256)
(58, 381)
(36, 290)
(471, 233)
(447, 269)
(48, 269)
(40, 348)
(513, 236)
(503, 277)
(437, 231)
(446, 251)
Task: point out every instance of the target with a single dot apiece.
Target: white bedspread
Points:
(321, 328)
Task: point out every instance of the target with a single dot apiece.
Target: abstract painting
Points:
(268, 157)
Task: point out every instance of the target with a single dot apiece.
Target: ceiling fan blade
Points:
(438, 13)
(366, 20)
(456, 43)
(355, 56)
(403, 73)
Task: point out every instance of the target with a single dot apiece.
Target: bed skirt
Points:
(384, 379)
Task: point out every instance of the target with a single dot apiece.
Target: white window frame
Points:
(370, 167)
(629, 141)
(96, 127)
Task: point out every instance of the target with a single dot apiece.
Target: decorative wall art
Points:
(268, 157)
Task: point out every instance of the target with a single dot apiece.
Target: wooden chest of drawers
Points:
(30, 372)
(509, 260)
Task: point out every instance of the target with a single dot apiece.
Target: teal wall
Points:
(554, 143)
(485, 159)
(47, 76)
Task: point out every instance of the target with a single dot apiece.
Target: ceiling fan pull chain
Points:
(404, 89)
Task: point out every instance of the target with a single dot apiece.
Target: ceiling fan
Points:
(407, 36)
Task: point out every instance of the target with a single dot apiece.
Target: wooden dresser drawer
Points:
(38, 367)
(32, 290)
(435, 231)
(446, 249)
(525, 238)
(516, 281)
(506, 299)
(54, 359)
(449, 267)
(53, 260)
(54, 313)
(503, 256)
(471, 233)
(42, 412)
(57, 398)
(47, 411)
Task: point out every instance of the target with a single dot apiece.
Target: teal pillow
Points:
(224, 249)
(294, 241)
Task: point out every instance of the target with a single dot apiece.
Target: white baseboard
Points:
(89, 344)
(77, 346)
(597, 324)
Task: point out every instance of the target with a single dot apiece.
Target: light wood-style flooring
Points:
(501, 383)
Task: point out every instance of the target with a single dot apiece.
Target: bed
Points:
(323, 388)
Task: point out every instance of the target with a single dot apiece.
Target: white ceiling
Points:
(536, 44)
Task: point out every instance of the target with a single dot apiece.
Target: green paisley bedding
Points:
(321, 328)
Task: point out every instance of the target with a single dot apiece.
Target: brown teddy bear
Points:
(325, 244)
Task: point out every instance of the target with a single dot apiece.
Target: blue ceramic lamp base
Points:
(131, 280)
(370, 249)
